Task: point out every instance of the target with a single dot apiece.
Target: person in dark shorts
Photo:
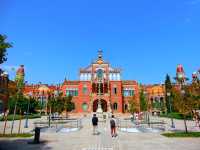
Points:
(113, 126)
(95, 124)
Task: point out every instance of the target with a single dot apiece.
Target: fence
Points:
(142, 124)
(58, 124)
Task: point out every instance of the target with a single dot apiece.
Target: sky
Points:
(145, 38)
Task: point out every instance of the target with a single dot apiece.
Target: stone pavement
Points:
(84, 140)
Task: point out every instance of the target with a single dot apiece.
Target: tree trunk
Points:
(13, 120)
(186, 131)
(66, 114)
(5, 124)
(20, 121)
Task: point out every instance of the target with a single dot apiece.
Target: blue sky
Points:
(146, 38)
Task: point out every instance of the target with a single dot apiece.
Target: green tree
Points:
(133, 105)
(51, 104)
(59, 105)
(68, 104)
(185, 102)
(168, 88)
(3, 48)
(22, 104)
(143, 101)
(33, 105)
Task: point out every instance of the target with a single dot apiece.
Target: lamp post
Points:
(170, 107)
(27, 112)
(99, 108)
(41, 97)
(100, 79)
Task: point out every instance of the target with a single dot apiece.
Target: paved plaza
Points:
(84, 140)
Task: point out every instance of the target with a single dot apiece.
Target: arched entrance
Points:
(103, 105)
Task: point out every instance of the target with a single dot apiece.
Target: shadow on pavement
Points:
(21, 144)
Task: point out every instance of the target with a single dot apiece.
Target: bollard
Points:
(37, 135)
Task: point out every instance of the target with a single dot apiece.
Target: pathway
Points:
(84, 140)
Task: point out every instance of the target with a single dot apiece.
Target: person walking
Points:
(95, 124)
(113, 126)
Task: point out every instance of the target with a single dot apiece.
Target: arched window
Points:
(100, 74)
(85, 90)
(115, 89)
(84, 107)
(115, 106)
(125, 107)
(161, 101)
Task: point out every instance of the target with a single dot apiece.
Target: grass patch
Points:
(22, 135)
(182, 134)
(17, 117)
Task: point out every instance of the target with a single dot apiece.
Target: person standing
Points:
(95, 124)
(113, 126)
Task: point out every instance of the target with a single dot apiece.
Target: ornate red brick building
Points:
(115, 92)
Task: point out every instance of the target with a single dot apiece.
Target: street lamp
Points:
(27, 112)
(170, 107)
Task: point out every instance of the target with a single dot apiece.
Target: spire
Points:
(100, 56)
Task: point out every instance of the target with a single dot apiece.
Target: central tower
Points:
(100, 75)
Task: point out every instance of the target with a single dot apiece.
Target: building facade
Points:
(7, 88)
(100, 81)
(155, 95)
(3, 90)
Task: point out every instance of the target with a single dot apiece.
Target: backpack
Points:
(112, 123)
(94, 121)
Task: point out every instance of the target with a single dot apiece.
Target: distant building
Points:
(3, 90)
(155, 95)
(40, 92)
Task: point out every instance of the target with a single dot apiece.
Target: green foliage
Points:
(3, 48)
(168, 88)
(23, 135)
(33, 105)
(133, 106)
(159, 105)
(17, 117)
(182, 134)
(59, 104)
(176, 115)
(143, 101)
(22, 104)
(68, 104)
(185, 101)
